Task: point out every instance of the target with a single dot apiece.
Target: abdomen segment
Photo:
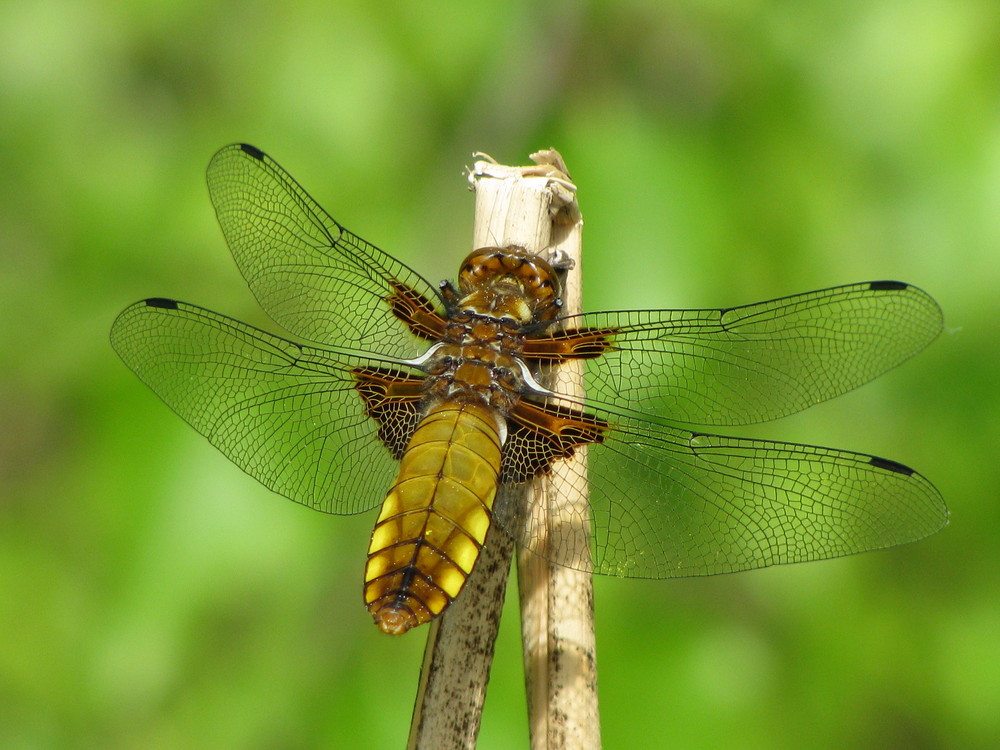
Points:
(435, 518)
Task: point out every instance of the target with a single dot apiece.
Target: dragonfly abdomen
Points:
(435, 517)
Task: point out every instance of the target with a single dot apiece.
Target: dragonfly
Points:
(428, 398)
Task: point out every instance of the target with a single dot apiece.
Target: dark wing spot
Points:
(166, 304)
(885, 463)
(887, 286)
(253, 151)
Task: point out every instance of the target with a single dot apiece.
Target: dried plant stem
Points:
(557, 603)
(533, 208)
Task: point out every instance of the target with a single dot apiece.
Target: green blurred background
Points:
(152, 596)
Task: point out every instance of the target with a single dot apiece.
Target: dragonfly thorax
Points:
(479, 359)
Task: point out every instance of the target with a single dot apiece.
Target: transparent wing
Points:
(288, 415)
(312, 276)
(667, 503)
(759, 362)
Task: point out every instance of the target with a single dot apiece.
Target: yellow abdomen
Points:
(434, 519)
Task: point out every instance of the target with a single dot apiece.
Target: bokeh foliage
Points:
(151, 596)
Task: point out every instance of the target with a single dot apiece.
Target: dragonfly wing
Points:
(290, 416)
(311, 275)
(665, 503)
(754, 363)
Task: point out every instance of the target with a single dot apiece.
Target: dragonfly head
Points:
(509, 283)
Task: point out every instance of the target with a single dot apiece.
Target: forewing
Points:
(759, 362)
(288, 415)
(312, 276)
(667, 503)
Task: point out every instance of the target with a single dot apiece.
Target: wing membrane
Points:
(759, 362)
(288, 415)
(311, 275)
(668, 503)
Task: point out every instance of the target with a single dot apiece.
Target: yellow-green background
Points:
(152, 596)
